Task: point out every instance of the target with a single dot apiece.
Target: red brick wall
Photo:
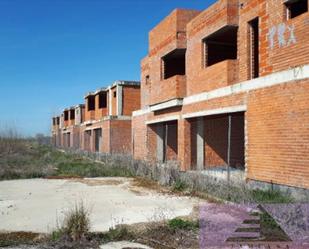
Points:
(271, 14)
(83, 114)
(145, 87)
(75, 137)
(172, 141)
(120, 132)
(168, 30)
(151, 148)
(169, 35)
(105, 136)
(100, 112)
(89, 115)
(131, 99)
(277, 123)
(139, 133)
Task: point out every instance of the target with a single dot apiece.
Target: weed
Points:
(178, 223)
(16, 238)
(179, 186)
(116, 234)
(270, 196)
(76, 224)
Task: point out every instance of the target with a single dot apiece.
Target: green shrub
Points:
(177, 223)
(116, 234)
(179, 186)
(270, 196)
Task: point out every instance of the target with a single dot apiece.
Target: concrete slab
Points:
(36, 204)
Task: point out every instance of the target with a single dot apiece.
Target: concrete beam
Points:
(167, 104)
(223, 110)
(165, 119)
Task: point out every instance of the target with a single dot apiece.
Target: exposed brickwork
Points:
(96, 130)
(139, 130)
(268, 139)
(278, 119)
(103, 111)
(131, 99)
(201, 57)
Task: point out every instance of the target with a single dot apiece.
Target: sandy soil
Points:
(36, 204)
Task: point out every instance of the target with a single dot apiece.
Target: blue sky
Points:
(54, 51)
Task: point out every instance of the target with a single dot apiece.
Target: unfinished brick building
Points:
(108, 116)
(228, 88)
(66, 127)
(103, 123)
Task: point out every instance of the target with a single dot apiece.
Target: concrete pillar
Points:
(61, 121)
(78, 115)
(160, 142)
(200, 144)
(119, 99)
(110, 98)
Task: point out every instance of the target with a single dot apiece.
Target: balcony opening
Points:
(102, 100)
(58, 120)
(295, 8)
(220, 46)
(254, 48)
(91, 103)
(72, 114)
(54, 121)
(66, 115)
(115, 94)
(173, 64)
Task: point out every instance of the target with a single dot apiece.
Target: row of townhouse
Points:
(223, 89)
(103, 123)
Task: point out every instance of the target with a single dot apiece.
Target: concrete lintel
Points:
(165, 119)
(141, 112)
(229, 109)
(119, 117)
(165, 105)
(287, 76)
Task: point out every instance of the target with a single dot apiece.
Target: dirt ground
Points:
(36, 205)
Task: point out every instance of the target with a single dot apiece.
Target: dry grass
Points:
(76, 223)
(16, 238)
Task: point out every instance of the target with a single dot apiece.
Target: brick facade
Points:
(222, 88)
(103, 123)
(242, 98)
